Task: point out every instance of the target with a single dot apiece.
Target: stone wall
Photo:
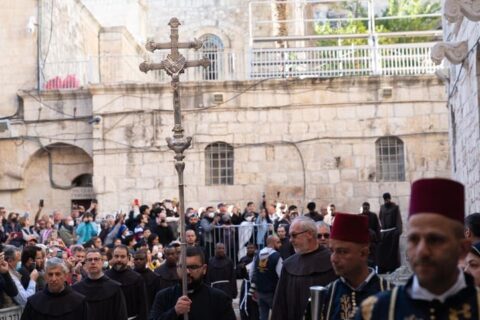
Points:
(56, 121)
(69, 41)
(464, 112)
(309, 139)
(18, 59)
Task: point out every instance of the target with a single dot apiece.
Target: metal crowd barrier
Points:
(235, 238)
(12, 313)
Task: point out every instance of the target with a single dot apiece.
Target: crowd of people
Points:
(82, 265)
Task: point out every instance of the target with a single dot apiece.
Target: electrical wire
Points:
(455, 83)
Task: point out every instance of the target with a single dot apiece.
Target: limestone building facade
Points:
(462, 36)
(99, 130)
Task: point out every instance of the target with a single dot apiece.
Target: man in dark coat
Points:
(391, 223)
(374, 231)
(435, 243)
(309, 266)
(168, 270)
(220, 272)
(57, 300)
(247, 305)
(132, 283)
(151, 279)
(202, 302)
(104, 296)
(7, 285)
(286, 249)
(349, 243)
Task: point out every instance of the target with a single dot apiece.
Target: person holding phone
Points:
(87, 229)
(28, 259)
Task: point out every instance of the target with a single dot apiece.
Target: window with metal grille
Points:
(218, 164)
(213, 50)
(390, 159)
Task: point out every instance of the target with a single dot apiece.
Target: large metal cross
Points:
(175, 64)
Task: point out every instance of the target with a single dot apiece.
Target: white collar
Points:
(419, 293)
(363, 284)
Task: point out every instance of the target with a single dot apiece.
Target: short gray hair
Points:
(56, 262)
(321, 224)
(10, 252)
(307, 224)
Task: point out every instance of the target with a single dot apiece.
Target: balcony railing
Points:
(326, 62)
(318, 62)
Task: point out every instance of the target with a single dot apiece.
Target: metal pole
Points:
(178, 144)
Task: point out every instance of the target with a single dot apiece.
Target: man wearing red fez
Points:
(349, 243)
(435, 243)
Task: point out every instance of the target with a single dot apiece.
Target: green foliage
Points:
(395, 8)
(408, 8)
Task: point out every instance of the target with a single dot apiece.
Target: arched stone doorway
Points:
(53, 173)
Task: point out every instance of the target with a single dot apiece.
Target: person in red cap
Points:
(349, 243)
(438, 289)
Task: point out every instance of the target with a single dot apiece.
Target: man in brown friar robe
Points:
(309, 266)
(168, 270)
(391, 223)
(150, 278)
(133, 286)
(220, 273)
(104, 296)
(57, 300)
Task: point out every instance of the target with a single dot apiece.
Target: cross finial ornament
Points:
(175, 64)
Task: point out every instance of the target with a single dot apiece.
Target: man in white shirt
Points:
(12, 256)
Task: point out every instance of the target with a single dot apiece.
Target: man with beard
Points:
(309, 266)
(57, 300)
(168, 270)
(150, 278)
(435, 243)
(388, 248)
(349, 245)
(104, 296)
(202, 302)
(220, 272)
(247, 305)
(132, 283)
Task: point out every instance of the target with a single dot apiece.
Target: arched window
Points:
(219, 164)
(213, 50)
(390, 159)
(84, 180)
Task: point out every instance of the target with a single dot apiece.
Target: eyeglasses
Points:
(294, 235)
(190, 267)
(323, 235)
(93, 259)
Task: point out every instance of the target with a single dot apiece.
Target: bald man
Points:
(265, 274)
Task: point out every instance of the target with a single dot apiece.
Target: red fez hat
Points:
(350, 227)
(441, 196)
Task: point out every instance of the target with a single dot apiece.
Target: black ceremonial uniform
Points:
(65, 305)
(207, 303)
(104, 298)
(342, 300)
(398, 304)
